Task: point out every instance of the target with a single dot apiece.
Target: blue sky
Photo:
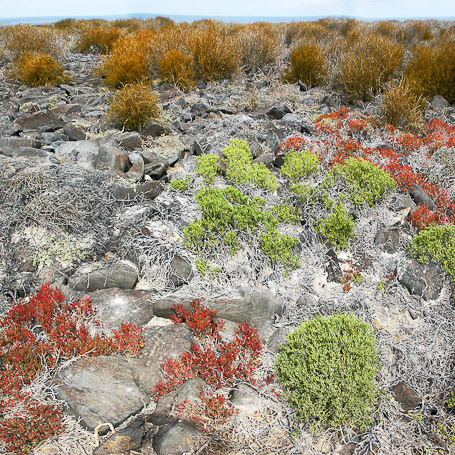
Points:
(297, 8)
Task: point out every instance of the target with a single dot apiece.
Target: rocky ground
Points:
(90, 209)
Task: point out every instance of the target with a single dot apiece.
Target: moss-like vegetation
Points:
(327, 369)
(240, 168)
(366, 181)
(299, 164)
(436, 243)
(337, 228)
(207, 167)
(180, 185)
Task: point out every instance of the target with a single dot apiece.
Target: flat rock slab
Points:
(99, 390)
(425, 280)
(407, 397)
(36, 121)
(115, 306)
(257, 307)
(160, 343)
(176, 439)
(122, 275)
(82, 153)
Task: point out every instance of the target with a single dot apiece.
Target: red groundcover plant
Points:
(219, 363)
(40, 333)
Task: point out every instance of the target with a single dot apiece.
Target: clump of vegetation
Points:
(216, 55)
(436, 243)
(431, 68)
(299, 164)
(308, 64)
(180, 185)
(40, 70)
(279, 248)
(240, 168)
(102, 37)
(128, 63)
(133, 106)
(337, 228)
(401, 107)
(369, 63)
(207, 166)
(327, 369)
(176, 68)
(366, 181)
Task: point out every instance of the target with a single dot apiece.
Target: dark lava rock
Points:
(156, 168)
(196, 149)
(277, 339)
(74, 133)
(136, 171)
(420, 197)
(100, 389)
(332, 267)
(120, 275)
(129, 438)
(388, 238)
(425, 280)
(115, 306)
(16, 142)
(42, 120)
(407, 397)
(176, 439)
(150, 190)
(276, 113)
(111, 157)
(182, 272)
(153, 129)
(160, 343)
(199, 109)
(130, 141)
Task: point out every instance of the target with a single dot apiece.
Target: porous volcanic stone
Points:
(99, 390)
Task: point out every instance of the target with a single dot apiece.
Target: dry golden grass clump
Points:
(258, 46)
(133, 106)
(128, 62)
(401, 107)
(103, 37)
(18, 39)
(40, 70)
(216, 54)
(431, 70)
(369, 63)
(177, 68)
(308, 64)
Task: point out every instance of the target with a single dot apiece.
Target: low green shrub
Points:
(435, 243)
(366, 181)
(327, 369)
(279, 248)
(180, 185)
(207, 166)
(299, 164)
(337, 228)
(240, 168)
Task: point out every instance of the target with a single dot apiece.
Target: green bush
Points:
(207, 167)
(180, 185)
(299, 164)
(327, 369)
(436, 243)
(337, 228)
(240, 168)
(366, 181)
(279, 248)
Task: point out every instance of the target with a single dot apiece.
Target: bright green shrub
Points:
(279, 248)
(327, 369)
(337, 228)
(436, 243)
(180, 185)
(240, 168)
(299, 164)
(366, 181)
(207, 166)
(308, 64)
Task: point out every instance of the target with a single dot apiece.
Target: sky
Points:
(263, 8)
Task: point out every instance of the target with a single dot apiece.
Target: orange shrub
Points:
(216, 55)
(128, 62)
(308, 64)
(133, 106)
(40, 70)
(103, 37)
(177, 68)
(368, 64)
(431, 70)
